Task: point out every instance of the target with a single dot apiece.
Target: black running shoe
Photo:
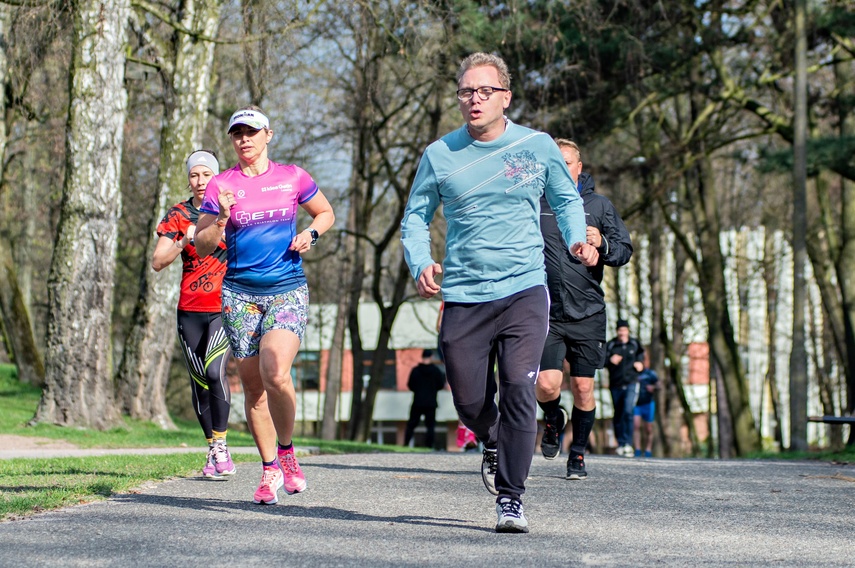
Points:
(576, 467)
(550, 444)
(489, 463)
(511, 517)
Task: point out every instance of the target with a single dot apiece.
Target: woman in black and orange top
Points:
(200, 328)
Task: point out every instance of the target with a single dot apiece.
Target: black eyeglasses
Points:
(484, 93)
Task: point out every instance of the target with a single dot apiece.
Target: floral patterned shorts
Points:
(247, 317)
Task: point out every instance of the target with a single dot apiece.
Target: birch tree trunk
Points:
(78, 374)
(770, 277)
(147, 356)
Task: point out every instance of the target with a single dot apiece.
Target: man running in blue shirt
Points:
(489, 176)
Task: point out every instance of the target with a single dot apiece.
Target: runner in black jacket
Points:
(577, 318)
(625, 360)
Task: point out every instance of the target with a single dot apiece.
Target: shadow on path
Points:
(385, 469)
(295, 511)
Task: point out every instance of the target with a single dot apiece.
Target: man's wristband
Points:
(221, 223)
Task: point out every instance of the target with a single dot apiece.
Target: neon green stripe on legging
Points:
(216, 352)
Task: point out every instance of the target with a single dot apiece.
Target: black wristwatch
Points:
(315, 236)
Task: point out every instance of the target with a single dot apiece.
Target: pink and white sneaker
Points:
(294, 481)
(223, 459)
(271, 482)
(210, 470)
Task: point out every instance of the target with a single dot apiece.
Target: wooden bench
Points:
(827, 419)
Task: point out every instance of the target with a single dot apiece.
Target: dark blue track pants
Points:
(474, 337)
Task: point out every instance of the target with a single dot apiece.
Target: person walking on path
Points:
(426, 380)
(625, 359)
(577, 314)
(265, 295)
(645, 412)
(489, 176)
(200, 325)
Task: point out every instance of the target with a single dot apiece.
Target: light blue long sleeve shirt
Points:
(490, 193)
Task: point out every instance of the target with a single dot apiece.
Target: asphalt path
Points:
(402, 510)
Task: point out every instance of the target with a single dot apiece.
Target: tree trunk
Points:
(255, 53)
(770, 277)
(723, 347)
(78, 373)
(674, 348)
(17, 328)
(354, 294)
(147, 356)
(726, 439)
(658, 331)
(388, 313)
(14, 303)
(846, 259)
(798, 354)
(822, 358)
(360, 191)
(332, 388)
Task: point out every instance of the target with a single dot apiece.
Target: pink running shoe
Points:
(223, 459)
(210, 470)
(295, 481)
(271, 482)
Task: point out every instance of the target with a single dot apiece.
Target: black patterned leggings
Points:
(206, 351)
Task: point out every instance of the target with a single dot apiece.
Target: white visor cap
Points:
(251, 118)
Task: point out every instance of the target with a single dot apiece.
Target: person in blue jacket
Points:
(645, 412)
(489, 175)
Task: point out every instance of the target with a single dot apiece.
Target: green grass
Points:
(29, 486)
(846, 455)
(33, 485)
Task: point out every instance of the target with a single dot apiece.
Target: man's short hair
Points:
(481, 59)
(565, 143)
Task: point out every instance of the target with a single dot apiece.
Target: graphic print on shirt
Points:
(279, 206)
(200, 277)
(523, 169)
(262, 225)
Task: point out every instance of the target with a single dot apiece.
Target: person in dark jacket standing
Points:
(425, 381)
(577, 314)
(625, 360)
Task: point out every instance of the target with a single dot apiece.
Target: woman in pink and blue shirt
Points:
(265, 295)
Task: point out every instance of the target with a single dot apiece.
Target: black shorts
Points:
(585, 356)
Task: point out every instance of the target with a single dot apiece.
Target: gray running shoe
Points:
(489, 463)
(511, 517)
(576, 467)
(550, 444)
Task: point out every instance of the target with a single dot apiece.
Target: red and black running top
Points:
(202, 278)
